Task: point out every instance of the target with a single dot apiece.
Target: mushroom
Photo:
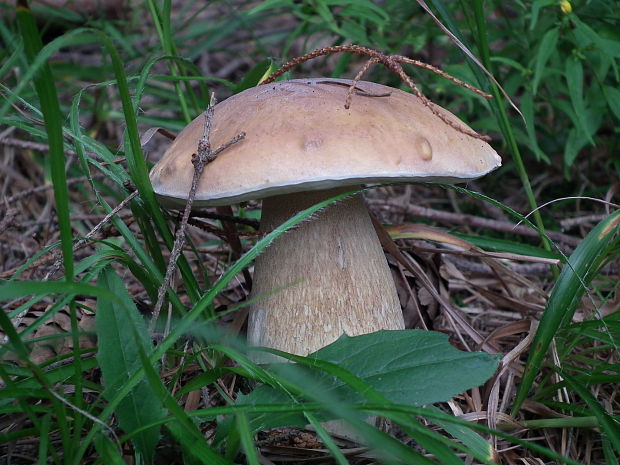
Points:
(329, 275)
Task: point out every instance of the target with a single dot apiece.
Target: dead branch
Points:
(393, 63)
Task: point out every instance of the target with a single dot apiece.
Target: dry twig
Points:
(199, 160)
(393, 63)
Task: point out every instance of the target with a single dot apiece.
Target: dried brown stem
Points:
(356, 79)
(8, 220)
(443, 74)
(391, 62)
(94, 231)
(199, 160)
(47, 187)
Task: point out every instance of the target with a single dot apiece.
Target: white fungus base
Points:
(326, 277)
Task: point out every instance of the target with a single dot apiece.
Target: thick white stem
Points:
(326, 277)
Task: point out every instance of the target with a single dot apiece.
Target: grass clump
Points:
(85, 246)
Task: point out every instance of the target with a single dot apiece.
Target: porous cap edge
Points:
(300, 137)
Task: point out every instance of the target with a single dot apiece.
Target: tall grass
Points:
(82, 408)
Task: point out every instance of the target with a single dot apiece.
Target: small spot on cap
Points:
(426, 151)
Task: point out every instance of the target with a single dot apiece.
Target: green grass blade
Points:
(567, 292)
(50, 107)
(121, 334)
(162, 19)
(45, 438)
(24, 288)
(39, 62)
(327, 439)
(609, 425)
(243, 428)
(502, 118)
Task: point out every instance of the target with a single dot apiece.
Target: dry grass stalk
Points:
(204, 156)
(393, 63)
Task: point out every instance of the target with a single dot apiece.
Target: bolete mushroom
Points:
(301, 147)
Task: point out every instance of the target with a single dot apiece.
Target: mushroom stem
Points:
(326, 277)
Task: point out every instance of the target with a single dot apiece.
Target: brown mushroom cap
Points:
(300, 137)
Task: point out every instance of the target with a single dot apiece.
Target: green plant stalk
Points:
(243, 427)
(50, 107)
(162, 24)
(483, 46)
(609, 426)
(568, 422)
(327, 439)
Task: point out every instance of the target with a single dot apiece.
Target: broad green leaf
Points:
(546, 48)
(612, 94)
(410, 367)
(122, 333)
(307, 379)
(574, 79)
(527, 107)
(537, 5)
(317, 388)
(575, 141)
(256, 75)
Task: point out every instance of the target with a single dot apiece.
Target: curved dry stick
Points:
(356, 79)
(431, 106)
(319, 53)
(443, 74)
(391, 62)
